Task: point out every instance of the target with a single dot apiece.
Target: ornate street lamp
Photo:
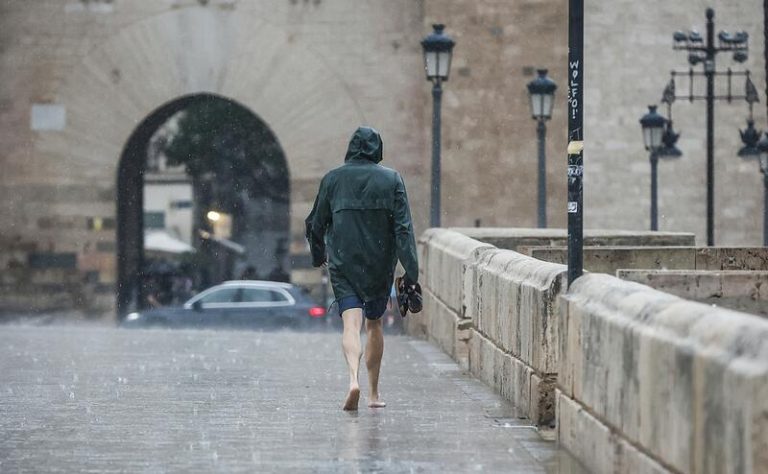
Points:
(438, 49)
(669, 150)
(541, 92)
(654, 126)
(762, 146)
(704, 49)
(750, 136)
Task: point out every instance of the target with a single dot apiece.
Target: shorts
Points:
(372, 310)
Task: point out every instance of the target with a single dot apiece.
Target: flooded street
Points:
(82, 399)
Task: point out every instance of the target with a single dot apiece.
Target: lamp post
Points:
(703, 50)
(541, 92)
(762, 146)
(438, 48)
(653, 126)
(575, 147)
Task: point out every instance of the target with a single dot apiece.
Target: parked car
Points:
(241, 304)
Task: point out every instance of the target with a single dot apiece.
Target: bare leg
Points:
(374, 349)
(350, 343)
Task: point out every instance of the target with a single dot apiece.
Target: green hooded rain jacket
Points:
(362, 220)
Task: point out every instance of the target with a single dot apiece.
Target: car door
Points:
(263, 308)
(216, 308)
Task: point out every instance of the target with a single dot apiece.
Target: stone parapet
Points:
(514, 304)
(610, 259)
(515, 238)
(492, 310)
(444, 256)
(660, 383)
(740, 290)
(513, 307)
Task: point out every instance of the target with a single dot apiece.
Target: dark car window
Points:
(278, 296)
(261, 295)
(224, 295)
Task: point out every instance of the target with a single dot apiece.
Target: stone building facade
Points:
(78, 77)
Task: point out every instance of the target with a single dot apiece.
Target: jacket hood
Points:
(365, 143)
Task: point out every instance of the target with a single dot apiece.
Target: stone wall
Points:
(493, 310)
(745, 291)
(91, 70)
(444, 257)
(81, 75)
(648, 382)
(489, 148)
(610, 259)
(636, 380)
(518, 238)
(513, 306)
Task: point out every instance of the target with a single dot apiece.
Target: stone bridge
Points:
(609, 376)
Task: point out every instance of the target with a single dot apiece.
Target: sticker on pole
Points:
(575, 147)
(573, 207)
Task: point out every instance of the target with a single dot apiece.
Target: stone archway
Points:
(195, 51)
(130, 196)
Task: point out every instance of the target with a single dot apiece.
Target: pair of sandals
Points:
(408, 297)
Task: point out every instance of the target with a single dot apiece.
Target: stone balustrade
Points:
(635, 379)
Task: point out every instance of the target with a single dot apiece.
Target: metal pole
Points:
(709, 71)
(765, 171)
(575, 138)
(654, 191)
(437, 94)
(765, 208)
(541, 131)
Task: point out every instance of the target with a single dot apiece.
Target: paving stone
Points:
(86, 399)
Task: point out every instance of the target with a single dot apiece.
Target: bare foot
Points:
(353, 398)
(376, 403)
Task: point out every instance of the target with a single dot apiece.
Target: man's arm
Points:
(404, 238)
(317, 224)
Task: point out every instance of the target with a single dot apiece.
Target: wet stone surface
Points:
(85, 399)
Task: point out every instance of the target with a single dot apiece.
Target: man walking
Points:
(362, 213)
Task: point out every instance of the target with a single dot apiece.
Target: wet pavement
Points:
(94, 399)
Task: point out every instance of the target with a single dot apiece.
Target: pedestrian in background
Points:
(362, 213)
